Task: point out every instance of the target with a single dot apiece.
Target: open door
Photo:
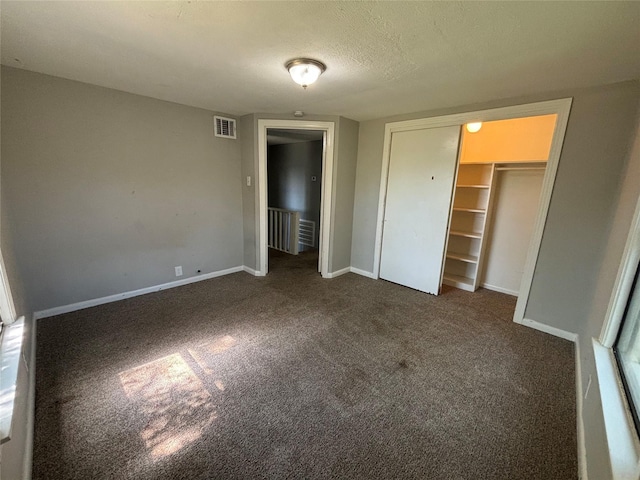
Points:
(422, 169)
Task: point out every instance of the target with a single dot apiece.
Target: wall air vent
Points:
(225, 127)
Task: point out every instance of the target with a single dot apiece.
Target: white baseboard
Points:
(50, 312)
(337, 273)
(364, 273)
(250, 271)
(556, 332)
(355, 270)
(515, 293)
(582, 451)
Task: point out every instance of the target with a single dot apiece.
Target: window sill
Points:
(10, 353)
(622, 439)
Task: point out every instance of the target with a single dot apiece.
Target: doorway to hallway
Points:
(294, 184)
(327, 129)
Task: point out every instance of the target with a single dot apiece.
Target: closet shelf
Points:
(458, 280)
(463, 257)
(460, 233)
(472, 210)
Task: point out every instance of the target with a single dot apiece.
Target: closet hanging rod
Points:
(520, 168)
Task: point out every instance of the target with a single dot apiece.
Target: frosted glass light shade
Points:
(474, 127)
(305, 71)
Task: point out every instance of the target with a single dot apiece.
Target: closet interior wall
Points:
(516, 204)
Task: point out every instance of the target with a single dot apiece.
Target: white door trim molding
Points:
(327, 188)
(559, 107)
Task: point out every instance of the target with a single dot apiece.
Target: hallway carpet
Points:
(295, 376)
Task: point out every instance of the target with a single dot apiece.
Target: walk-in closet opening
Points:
(294, 195)
(464, 199)
(501, 167)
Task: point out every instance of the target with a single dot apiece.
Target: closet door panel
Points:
(422, 169)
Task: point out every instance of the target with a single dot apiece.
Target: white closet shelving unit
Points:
(469, 221)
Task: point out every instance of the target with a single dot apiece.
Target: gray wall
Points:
(289, 171)
(581, 247)
(108, 191)
(7, 242)
(248, 134)
(344, 193)
(593, 159)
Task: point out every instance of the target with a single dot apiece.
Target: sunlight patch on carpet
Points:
(177, 405)
(203, 354)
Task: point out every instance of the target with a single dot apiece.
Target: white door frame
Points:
(326, 195)
(559, 107)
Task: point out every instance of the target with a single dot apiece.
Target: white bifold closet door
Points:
(422, 168)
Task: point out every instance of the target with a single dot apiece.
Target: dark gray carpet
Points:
(293, 376)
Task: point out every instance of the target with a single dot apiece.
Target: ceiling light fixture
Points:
(474, 127)
(305, 71)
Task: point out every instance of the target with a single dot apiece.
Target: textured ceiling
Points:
(382, 58)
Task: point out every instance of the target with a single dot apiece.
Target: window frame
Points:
(633, 406)
(623, 440)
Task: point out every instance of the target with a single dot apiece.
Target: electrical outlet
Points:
(178, 271)
(248, 181)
